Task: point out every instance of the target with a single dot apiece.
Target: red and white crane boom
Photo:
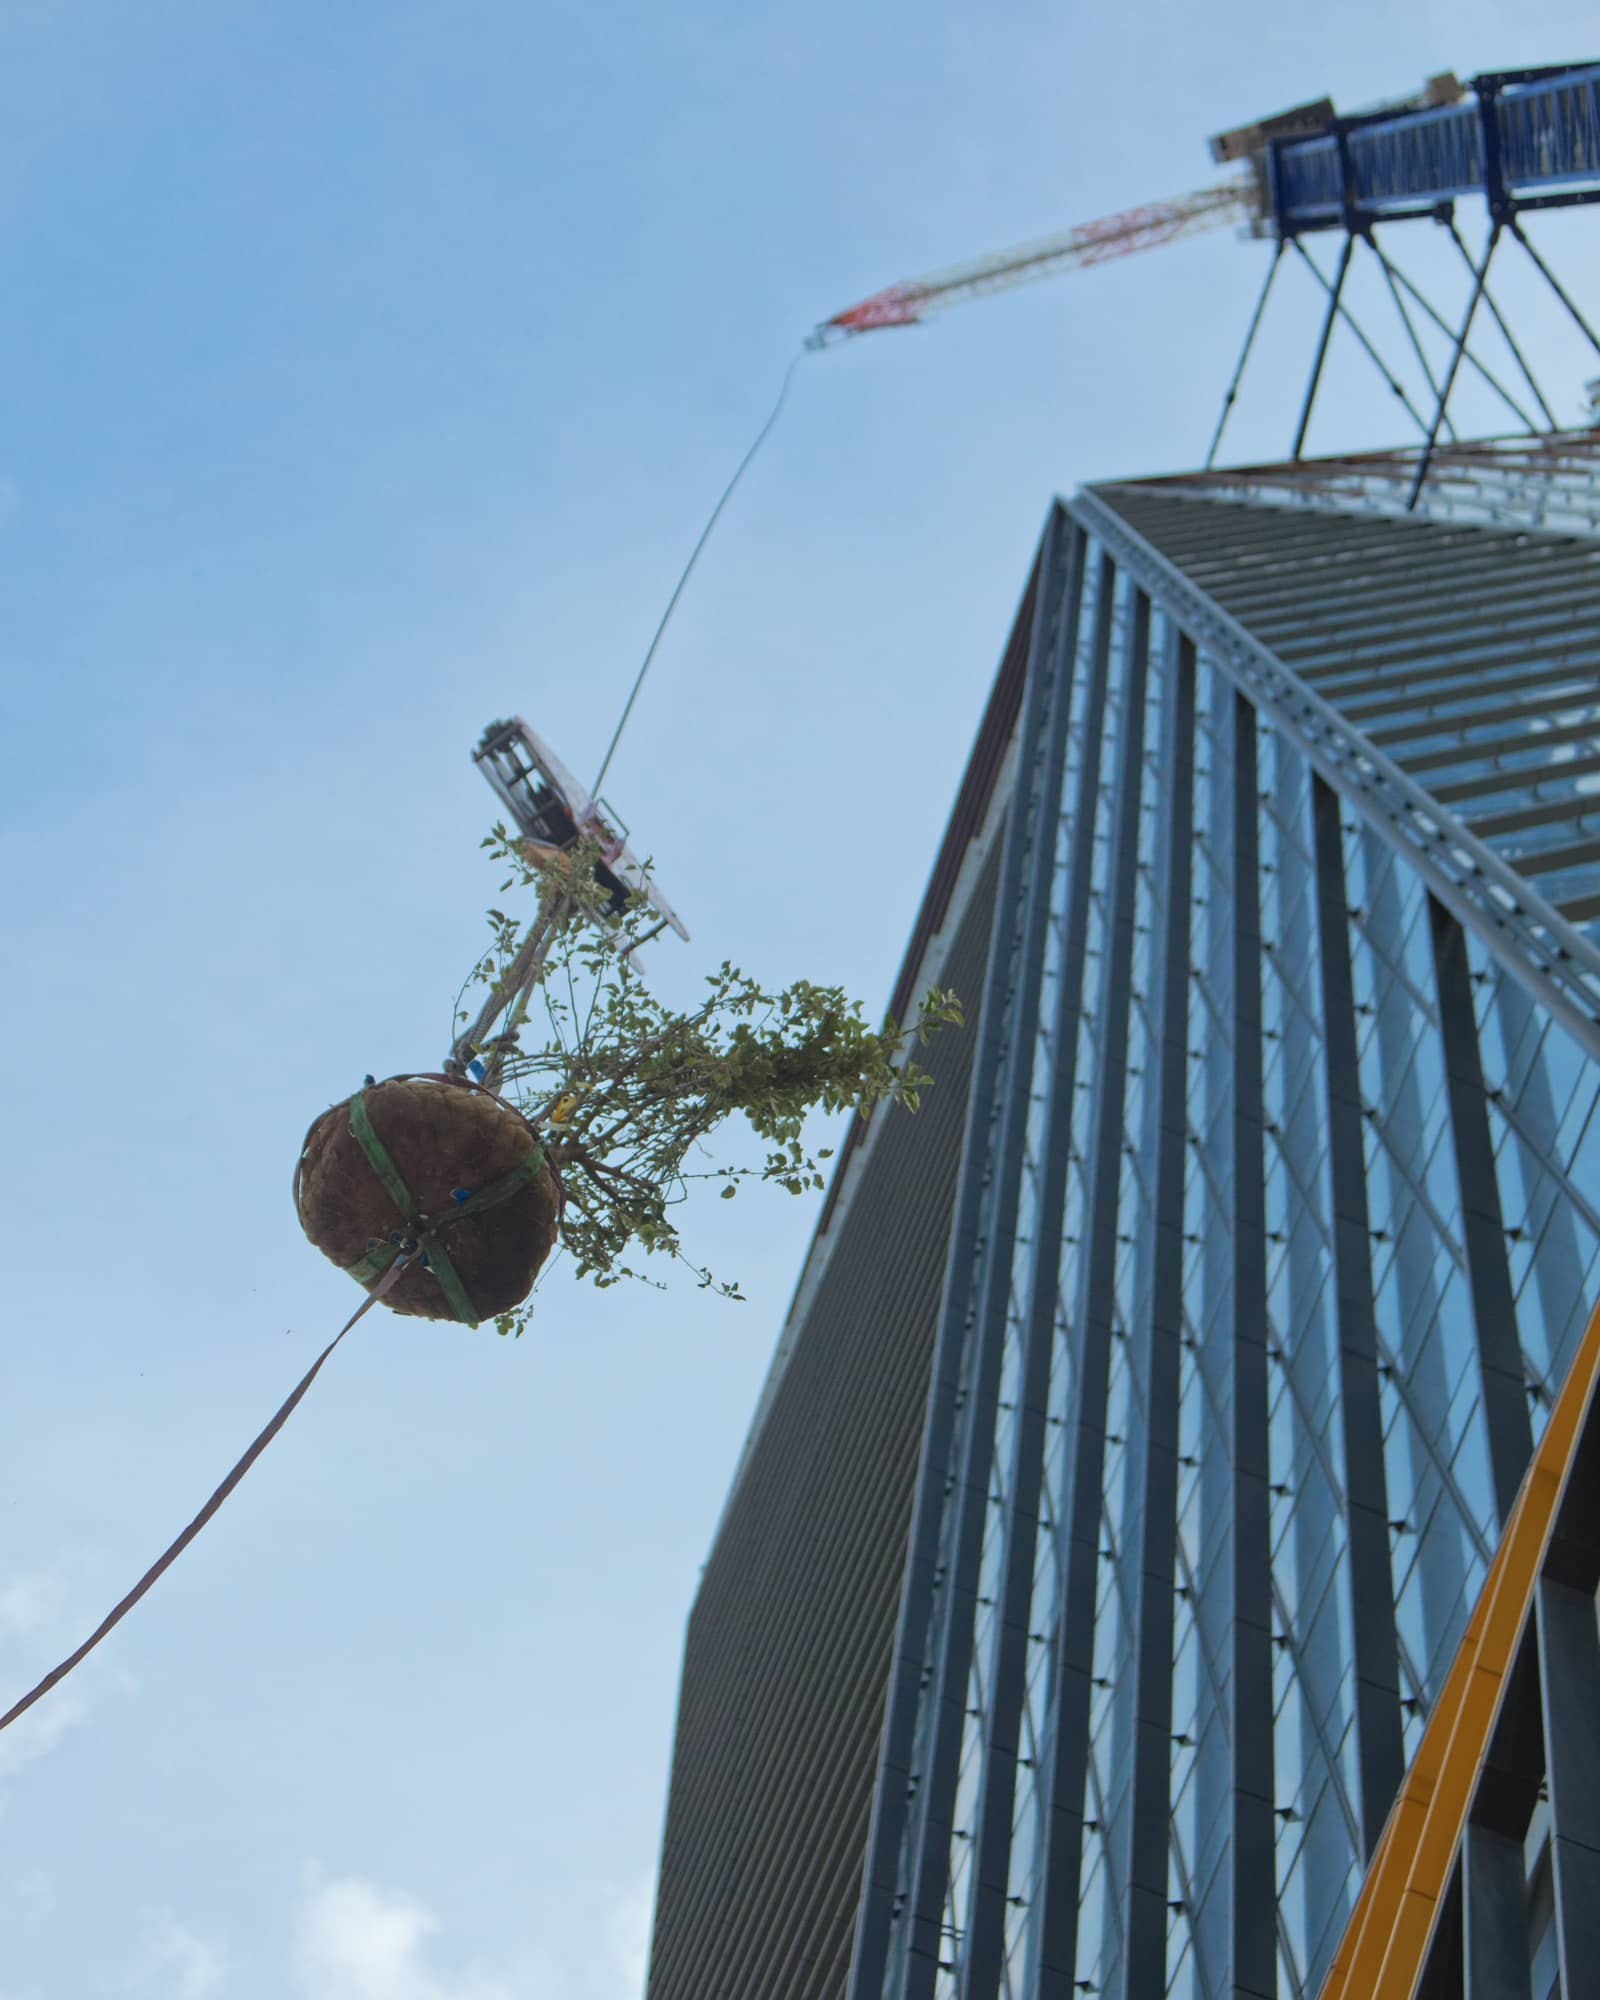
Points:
(1091, 243)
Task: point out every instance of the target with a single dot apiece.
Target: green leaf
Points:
(655, 1082)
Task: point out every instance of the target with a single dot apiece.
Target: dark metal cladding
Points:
(787, 1654)
(1149, 1832)
(920, 1690)
(1505, 1397)
(1004, 1746)
(1379, 1748)
(984, 1308)
(1254, 1931)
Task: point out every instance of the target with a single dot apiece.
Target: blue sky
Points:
(369, 372)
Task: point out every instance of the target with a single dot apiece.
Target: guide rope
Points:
(165, 1561)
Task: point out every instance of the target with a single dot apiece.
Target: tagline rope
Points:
(164, 1562)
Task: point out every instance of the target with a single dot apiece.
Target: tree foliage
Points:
(628, 1090)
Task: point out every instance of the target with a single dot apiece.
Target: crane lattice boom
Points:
(1091, 243)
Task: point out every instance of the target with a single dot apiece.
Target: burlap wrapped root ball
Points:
(446, 1141)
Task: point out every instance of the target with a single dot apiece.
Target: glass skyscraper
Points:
(1153, 1404)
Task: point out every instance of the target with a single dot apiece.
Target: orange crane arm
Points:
(1091, 243)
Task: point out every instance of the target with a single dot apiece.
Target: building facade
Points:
(1153, 1405)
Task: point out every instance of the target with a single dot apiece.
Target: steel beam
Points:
(1480, 277)
(1244, 352)
(1444, 326)
(1519, 781)
(1335, 290)
(1569, 1672)
(1550, 279)
(1379, 1742)
(1502, 746)
(1494, 1886)
(955, 1612)
(1417, 348)
(1385, 1946)
(913, 1663)
(1252, 1850)
(1475, 679)
(1526, 933)
(984, 1948)
(1093, 1306)
(1367, 348)
(1499, 318)
(1494, 1313)
(1150, 1831)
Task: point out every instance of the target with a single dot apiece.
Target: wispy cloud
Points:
(628, 1943)
(358, 1941)
(30, 1602)
(37, 1733)
(32, 1893)
(31, 1605)
(183, 1965)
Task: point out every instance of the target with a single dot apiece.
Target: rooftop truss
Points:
(1543, 482)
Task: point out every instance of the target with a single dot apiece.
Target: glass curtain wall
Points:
(1283, 1183)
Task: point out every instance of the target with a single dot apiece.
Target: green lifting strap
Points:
(373, 1263)
(439, 1263)
(500, 1190)
(378, 1157)
(461, 1307)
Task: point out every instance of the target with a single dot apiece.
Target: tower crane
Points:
(1519, 140)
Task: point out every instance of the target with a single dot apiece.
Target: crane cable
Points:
(694, 556)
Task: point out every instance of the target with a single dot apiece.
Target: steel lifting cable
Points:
(694, 556)
(513, 993)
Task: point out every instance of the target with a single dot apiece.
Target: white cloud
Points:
(37, 1733)
(183, 1965)
(33, 1893)
(628, 1942)
(360, 1942)
(32, 1607)
(29, 1602)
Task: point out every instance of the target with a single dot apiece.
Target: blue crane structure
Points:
(1518, 140)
